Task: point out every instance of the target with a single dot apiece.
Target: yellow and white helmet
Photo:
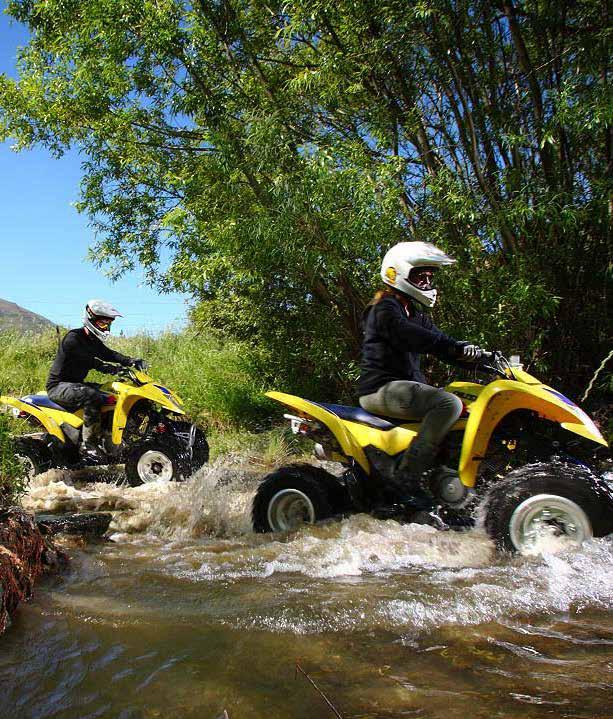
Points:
(405, 268)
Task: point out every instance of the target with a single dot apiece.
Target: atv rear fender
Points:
(502, 397)
(49, 424)
(349, 446)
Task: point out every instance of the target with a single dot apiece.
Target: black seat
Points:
(357, 414)
(41, 400)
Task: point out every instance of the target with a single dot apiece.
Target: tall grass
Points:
(219, 380)
(12, 475)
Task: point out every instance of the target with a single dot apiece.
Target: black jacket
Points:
(78, 353)
(393, 342)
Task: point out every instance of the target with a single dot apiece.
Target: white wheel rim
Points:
(28, 465)
(154, 466)
(290, 509)
(546, 515)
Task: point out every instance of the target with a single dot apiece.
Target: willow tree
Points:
(275, 149)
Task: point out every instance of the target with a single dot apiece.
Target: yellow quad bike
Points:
(523, 452)
(143, 426)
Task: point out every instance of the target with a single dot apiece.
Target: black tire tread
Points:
(311, 480)
(566, 480)
(36, 450)
(169, 447)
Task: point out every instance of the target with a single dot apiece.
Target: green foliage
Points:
(12, 476)
(25, 360)
(218, 379)
(276, 150)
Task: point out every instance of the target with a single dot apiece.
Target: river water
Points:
(186, 613)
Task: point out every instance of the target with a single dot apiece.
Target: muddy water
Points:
(185, 613)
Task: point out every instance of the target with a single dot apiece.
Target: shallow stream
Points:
(185, 613)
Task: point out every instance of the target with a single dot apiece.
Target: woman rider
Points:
(396, 334)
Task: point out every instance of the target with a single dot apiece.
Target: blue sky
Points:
(44, 240)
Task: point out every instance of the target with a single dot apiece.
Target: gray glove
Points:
(472, 353)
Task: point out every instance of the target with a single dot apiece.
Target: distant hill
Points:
(14, 317)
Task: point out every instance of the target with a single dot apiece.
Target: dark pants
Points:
(74, 395)
(438, 410)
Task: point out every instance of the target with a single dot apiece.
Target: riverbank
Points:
(26, 552)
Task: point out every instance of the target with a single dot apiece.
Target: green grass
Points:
(218, 379)
(12, 478)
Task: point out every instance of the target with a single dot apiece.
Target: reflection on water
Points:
(186, 612)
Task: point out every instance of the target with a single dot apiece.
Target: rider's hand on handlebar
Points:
(109, 369)
(140, 364)
(473, 353)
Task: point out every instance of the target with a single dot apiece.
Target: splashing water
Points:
(186, 598)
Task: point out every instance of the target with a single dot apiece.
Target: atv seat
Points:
(41, 400)
(357, 414)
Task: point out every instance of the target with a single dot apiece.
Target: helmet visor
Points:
(422, 277)
(103, 323)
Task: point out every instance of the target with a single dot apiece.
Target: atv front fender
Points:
(499, 399)
(50, 425)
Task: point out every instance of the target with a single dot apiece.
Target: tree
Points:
(277, 149)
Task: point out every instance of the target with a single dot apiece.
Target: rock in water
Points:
(79, 523)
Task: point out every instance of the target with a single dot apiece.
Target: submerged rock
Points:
(92, 523)
(25, 552)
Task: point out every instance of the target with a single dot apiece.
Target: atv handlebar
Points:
(497, 363)
(128, 373)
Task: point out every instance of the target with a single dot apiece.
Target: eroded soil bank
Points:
(25, 553)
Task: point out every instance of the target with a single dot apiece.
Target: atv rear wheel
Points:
(33, 455)
(156, 460)
(290, 497)
(546, 500)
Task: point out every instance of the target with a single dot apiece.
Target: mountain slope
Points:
(14, 317)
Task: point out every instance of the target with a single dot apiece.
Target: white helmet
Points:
(404, 257)
(98, 317)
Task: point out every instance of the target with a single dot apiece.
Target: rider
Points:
(396, 333)
(80, 351)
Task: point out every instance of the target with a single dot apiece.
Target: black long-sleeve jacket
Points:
(80, 352)
(393, 342)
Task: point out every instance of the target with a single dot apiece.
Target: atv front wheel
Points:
(546, 500)
(200, 451)
(156, 460)
(290, 497)
(33, 455)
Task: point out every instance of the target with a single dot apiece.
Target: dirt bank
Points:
(25, 553)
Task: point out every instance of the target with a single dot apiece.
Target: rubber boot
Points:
(408, 475)
(90, 449)
(418, 459)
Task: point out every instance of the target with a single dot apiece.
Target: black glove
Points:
(139, 364)
(109, 369)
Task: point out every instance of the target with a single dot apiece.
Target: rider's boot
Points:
(90, 449)
(407, 480)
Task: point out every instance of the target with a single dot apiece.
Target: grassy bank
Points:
(219, 380)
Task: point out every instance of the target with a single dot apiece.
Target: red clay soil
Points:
(24, 554)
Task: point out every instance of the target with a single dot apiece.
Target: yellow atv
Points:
(143, 426)
(521, 450)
